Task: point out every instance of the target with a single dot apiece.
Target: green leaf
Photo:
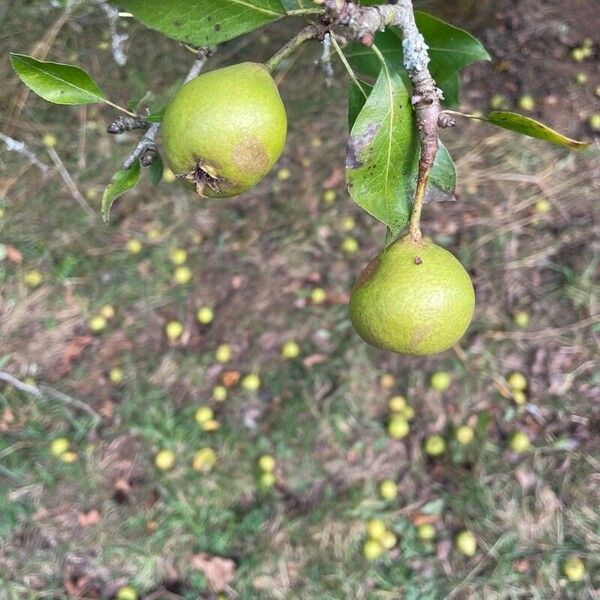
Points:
(532, 128)
(382, 152)
(203, 22)
(357, 96)
(56, 82)
(443, 172)
(450, 50)
(300, 6)
(156, 169)
(122, 180)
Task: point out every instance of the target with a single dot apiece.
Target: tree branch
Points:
(145, 150)
(310, 32)
(362, 22)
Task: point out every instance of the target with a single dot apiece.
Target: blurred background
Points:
(132, 423)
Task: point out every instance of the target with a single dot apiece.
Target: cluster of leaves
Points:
(383, 148)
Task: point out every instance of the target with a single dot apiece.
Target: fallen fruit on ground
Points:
(413, 298)
(126, 593)
(267, 463)
(372, 550)
(466, 543)
(426, 532)
(574, 569)
(165, 460)
(376, 529)
(204, 460)
(464, 434)
(225, 129)
(388, 489)
(398, 427)
(435, 445)
(519, 442)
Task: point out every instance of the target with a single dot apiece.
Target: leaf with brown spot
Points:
(218, 571)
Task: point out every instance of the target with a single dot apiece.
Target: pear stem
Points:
(310, 32)
(414, 229)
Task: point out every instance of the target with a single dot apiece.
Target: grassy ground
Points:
(111, 517)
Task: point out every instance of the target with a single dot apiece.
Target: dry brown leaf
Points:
(71, 353)
(218, 571)
(88, 519)
(230, 378)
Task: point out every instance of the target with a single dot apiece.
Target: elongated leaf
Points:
(56, 82)
(203, 22)
(357, 96)
(156, 169)
(300, 6)
(443, 174)
(532, 128)
(383, 151)
(122, 181)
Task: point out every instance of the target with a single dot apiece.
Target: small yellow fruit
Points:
(154, 235)
(389, 540)
(134, 246)
(49, 140)
(521, 319)
(165, 460)
(387, 381)
(29, 381)
(527, 103)
(440, 381)
(203, 414)
(542, 206)
(517, 381)
(519, 442)
(126, 593)
(348, 224)
(69, 457)
(267, 463)
(397, 403)
(168, 175)
(33, 278)
(283, 174)
(266, 480)
(349, 245)
(223, 353)
(210, 425)
(97, 323)
(408, 412)
(107, 311)
(59, 446)
(464, 435)
(329, 196)
(435, 445)
(177, 256)
(498, 102)
(290, 350)
(372, 550)
(205, 315)
(116, 375)
(466, 543)
(594, 122)
(174, 329)
(318, 296)
(204, 460)
(376, 529)
(316, 142)
(426, 532)
(251, 382)
(398, 427)
(519, 397)
(388, 489)
(219, 393)
(574, 569)
(182, 275)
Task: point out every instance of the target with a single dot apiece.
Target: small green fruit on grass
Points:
(517, 381)
(59, 446)
(204, 460)
(33, 278)
(182, 275)
(116, 375)
(519, 442)
(466, 543)
(126, 593)
(521, 318)
(574, 569)
(398, 427)
(388, 540)
(318, 296)
(440, 381)
(266, 480)
(69, 457)
(426, 532)
(527, 102)
(251, 382)
(219, 393)
(205, 315)
(435, 445)
(267, 463)
(225, 129)
(134, 246)
(413, 298)
(203, 414)
(464, 435)
(165, 460)
(376, 529)
(223, 353)
(397, 404)
(173, 330)
(388, 489)
(290, 350)
(177, 256)
(372, 550)
(97, 323)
